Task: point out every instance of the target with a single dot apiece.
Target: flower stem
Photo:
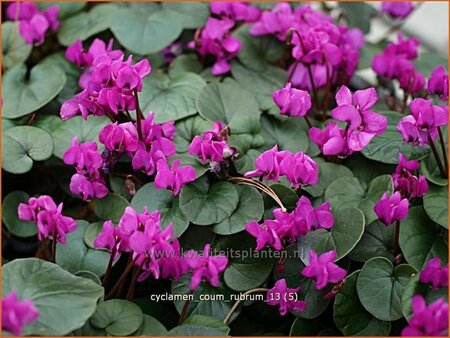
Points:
(396, 237)
(234, 307)
(108, 269)
(121, 280)
(444, 150)
(139, 116)
(291, 73)
(436, 156)
(130, 293)
(54, 247)
(184, 311)
(308, 122)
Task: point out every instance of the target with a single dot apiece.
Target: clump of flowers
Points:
(292, 102)
(33, 23)
(390, 209)
(288, 227)
(299, 169)
(434, 274)
(406, 181)
(427, 320)
(363, 124)
(17, 313)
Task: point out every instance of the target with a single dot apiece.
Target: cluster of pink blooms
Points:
(321, 269)
(33, 23)
(363, 124)
(215, 38)
(421, 126)
(108, 83)
(291, 101)
(390, 209)
(290, 226)
(330, 50)
(16, 313)
(438, 83)
(427, 320)
(212, 145)
(397, 9)
(49, 218)
(299, 169)
(396, 62)
(406, 182)
(155, 251)
(434, 274)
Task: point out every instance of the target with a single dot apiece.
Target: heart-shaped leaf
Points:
(23, 95)
(23, 145)
(14, 48)
(204, 203)
(185, 63)
(11, 218)
(377, 188)
(146, 31)
(194, 14)
(420, 239)
(344, 192)
(66, 8)
(171, 98)
(380, 287)
(110, 207)
(187, 129)
(435, 203)
(163, 201)
(351, 317)
(224, 102)
(151, 327)
(207, 321)
(117, 317)
(64, 301)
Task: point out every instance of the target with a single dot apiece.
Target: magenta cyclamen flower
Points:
(363, 123)
(16, 313)
(265, 234)
(435, 274)
(406, 182)
(292, 102)
(323, 270)
(216, 39)
(268, 164)
(397, 9)
(173, 178)
(119, 137)
(286, 298)
(422, 125)
(392, 209)
(237, 11)
(33, 23)
(205, 266)
(427, 320)
(88, 181)
(76, 54)
(277, 21)
(438, 83)
(49, 218)
(331, 140)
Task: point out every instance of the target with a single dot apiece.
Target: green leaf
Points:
(328, 173)
(250, 207)
(91, 232)
(344, 192)
(428, 61)
(187, 129)
(366, 170)
(23, 95)
(380, 287)
(435, 203)
(217, 308)
(204, 203)
(258, 51)
(75, 255)
(118, 317)
(85, 131)
(14, 49)
(144, 32)
(162, 200)
(48, 123)
(194, 14)
(350, 316)
(288, 135)
(170, 98)
(110, 207)
(375, 242)
(415, 287)
(346, 232)
(152, 327)
(64, 301)
(260, 83)
(23, 145)
(196, 236)
(185, 63)
(224, 102)
(377, 188)
(386, 147)
(66, 9)
(187, 330)
(420, 239)
(287, 195)
(206, 321)
(358, 14)
(86, 24)
(11, 218)
(305, 327)
(193, 161)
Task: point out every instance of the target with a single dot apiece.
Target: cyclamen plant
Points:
(189, 168)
